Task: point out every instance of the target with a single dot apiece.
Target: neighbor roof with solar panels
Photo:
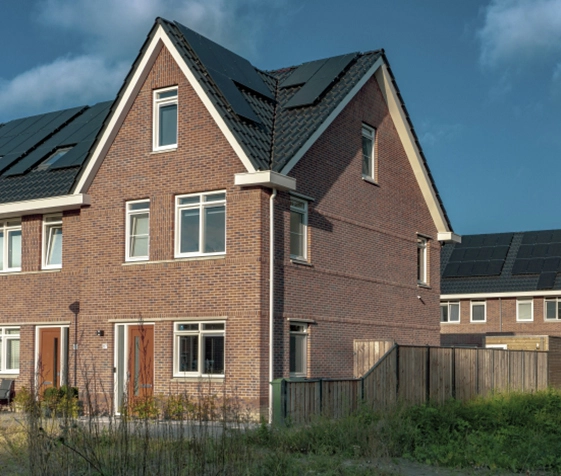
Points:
(502, 262)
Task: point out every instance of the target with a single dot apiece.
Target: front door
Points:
(141, 362)
(51, 359)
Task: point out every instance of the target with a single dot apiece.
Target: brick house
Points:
(174, 200)
(502, 290)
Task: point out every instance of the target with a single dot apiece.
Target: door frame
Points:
(125, 361)
(63, 352)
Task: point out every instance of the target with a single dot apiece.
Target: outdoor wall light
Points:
(99, 333)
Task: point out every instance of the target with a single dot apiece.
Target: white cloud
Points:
(520, 30)
(433, 134)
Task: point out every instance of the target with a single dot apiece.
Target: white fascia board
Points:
(413, 153)
(44, 205)
(265, 178)
(520, 294)
(159, 40)
(321, 129)
(449, 237)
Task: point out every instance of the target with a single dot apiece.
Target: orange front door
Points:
(49, 365)
(141, 362)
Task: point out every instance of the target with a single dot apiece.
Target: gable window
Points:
(52, 241)
(368, 152)
(165, 119)
(199, 349)
(525, 310)
(450, 312)
(9, 349)
(298, 229)
(10, 245)
(553, 309)
(138, 230)
(478, 311)
(200, 224)
(422, 260)
(298, 349)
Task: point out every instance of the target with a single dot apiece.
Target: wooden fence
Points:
(414, 375)
(367, 352)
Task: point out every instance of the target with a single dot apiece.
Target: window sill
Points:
(301, 262)
(19, 273)
(368, 179)
(525, 322)
(424, 286)
(162, 151)
(199, 379)
(450, 323)
(478, 322)
(176, 260)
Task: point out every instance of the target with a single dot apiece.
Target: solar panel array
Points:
(228, 70)
(479, 255)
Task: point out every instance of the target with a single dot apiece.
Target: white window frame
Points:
(422, 260)
(201, 206)
(8, 227)
(158, 104)
(300, 207)
(478, 303)
(200, 333)
(369, 133)
(302, 331)
(448, 305)
(4, 338)
(522, 301)
(50, 222)
(557, 302)
(129, 214)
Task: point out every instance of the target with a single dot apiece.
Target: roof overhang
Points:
(265, 178)
(44, 205)
(509, 294)
(449, 237)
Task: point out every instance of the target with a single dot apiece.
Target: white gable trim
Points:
(321, 129)
(508, 294)
(413, 153)
(158, 41)
(44, 205)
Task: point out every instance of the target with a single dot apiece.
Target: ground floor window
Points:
(553, 309)
(298, 349)
(9, 349)
(450, 312)
(525, 310)
(199, 348)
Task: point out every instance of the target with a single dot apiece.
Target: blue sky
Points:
(481, 78)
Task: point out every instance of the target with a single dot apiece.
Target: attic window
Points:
(54, 157)
(165, 119)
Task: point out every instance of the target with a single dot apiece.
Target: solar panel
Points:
(543, 236)
(495, 267)
(234, 97)
(320, 81)
(457, 254)
(547, 280)
(302, 74)
(74, 156)
(529, 238)
(479, 268)
(555, 249)
(503, 239)
(500, 252)
(451, 270)
(551, 264)
(535, 266)
(520, 266)
(525, 251)
(465, 269)
(540, 250)
(486, 252)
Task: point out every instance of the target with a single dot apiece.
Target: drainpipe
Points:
(501, 313)
(271, 297)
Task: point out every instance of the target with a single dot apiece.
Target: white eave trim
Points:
(159, 40)
(449, 237)
(265, 178)
(44, 205)
(510, 294)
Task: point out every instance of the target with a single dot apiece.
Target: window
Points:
(165, 119)
(54, 157)
(52, 241)
(525, 310)
(298, 349)
(10, 245)
(199, 349)
(478, 311)
(9, 349)
(298, 229)
(422, 260)
(368, 152)
(200, 224)
(450, 312)
(553, 309)
(138, 230)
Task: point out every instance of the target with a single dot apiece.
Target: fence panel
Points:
(466, 377)
(440, 381)
(501, 378)
(412, 370)
(485, 371)
(381, 382)
(516, 371)
(367, 353)
(340, 397)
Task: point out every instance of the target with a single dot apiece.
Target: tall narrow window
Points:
(10, 245)
(200, 224)
(525, 310)
(368, 152)
(138, 230)
(422, 262)
(298, 349)
(298, 229)
(478, 311)
(9, 349)
(199, 348)
(165, 119)
(52, 241)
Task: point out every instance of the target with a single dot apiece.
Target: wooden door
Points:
(140, 362)
(49, 365)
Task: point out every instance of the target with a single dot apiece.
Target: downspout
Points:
(271, 298)
(501, 314)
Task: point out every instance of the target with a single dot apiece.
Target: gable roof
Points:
(527, 262)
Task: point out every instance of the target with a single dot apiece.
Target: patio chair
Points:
(6, 390)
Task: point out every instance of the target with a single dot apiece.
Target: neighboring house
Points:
(498, 287)
(172, 201)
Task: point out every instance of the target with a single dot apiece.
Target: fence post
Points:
(321, 396)
(397, 371)
(453, 372)
(427, 375)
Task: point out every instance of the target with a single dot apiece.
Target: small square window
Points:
(553, 309)
(298, 349)
(10, 245)
(368, 152)
(199, 349)
(52, 241)
(450, 312)
(478, 311)
(422, 260)
(138, 230)
(165, 119)
(298, 229)
(525, 310)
